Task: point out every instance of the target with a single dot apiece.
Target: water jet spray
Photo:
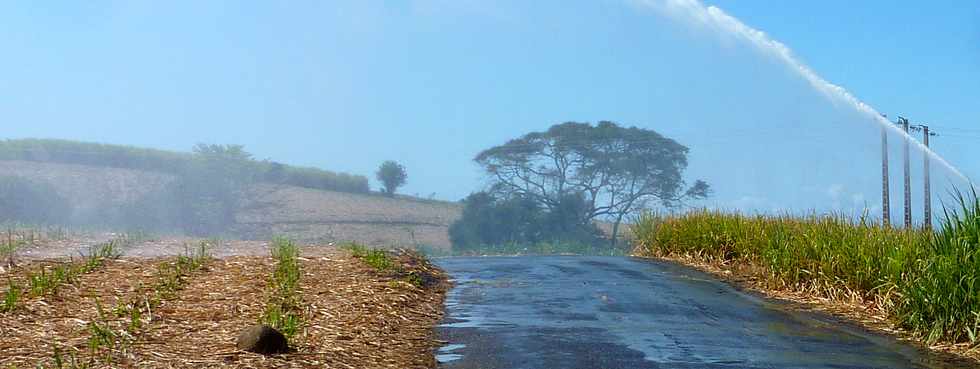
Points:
(711, 17)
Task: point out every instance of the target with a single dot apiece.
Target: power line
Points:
(948, 128)
(967, 137)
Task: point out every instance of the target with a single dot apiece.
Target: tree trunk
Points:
(615, 231)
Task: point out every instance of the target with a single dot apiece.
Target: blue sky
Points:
(344, 85)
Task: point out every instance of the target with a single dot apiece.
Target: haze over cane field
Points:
(346, 85)
(311, 156)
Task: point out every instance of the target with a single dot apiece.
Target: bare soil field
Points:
(300, 213)
(145, 310)
(89, 188)
(336, 216)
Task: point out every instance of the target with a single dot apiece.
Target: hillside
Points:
(174, 162)
(268, 209)
(310, 214)
(89, 189)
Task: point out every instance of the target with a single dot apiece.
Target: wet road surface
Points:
(617, 312)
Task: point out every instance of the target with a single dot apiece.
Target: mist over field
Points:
(688, 183)
(348, 85)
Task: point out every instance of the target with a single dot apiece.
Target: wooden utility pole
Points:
(908, 177)
(886, 213)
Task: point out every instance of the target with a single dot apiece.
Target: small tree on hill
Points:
(211, 188)
(392, 175)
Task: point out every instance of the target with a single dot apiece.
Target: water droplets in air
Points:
(695, 14)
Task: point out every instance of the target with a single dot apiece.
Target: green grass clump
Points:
(103, 339)
(67, 360)
(106, 336)
(14, 240)
(10, 297)
(132, 312)
(857, 255)
(284, 318)
(383, 262)
(377, 259)
(100, 253)
(286, 254)
(942, 294)
(44, 282)
(171, 276)
(926, 282)
(283, 310)
(47, 280)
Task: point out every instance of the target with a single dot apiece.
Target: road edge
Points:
(855, 314)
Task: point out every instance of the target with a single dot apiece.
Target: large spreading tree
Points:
(618, 170)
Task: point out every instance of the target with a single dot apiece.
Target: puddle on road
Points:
(445, 353)
(672, 316)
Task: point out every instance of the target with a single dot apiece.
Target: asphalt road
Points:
(616, 312)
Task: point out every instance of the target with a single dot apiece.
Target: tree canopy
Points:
(392, 175)
(489, 222)
(617, 170)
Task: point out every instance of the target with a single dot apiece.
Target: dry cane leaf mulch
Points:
(353, 316)
(41, 326)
